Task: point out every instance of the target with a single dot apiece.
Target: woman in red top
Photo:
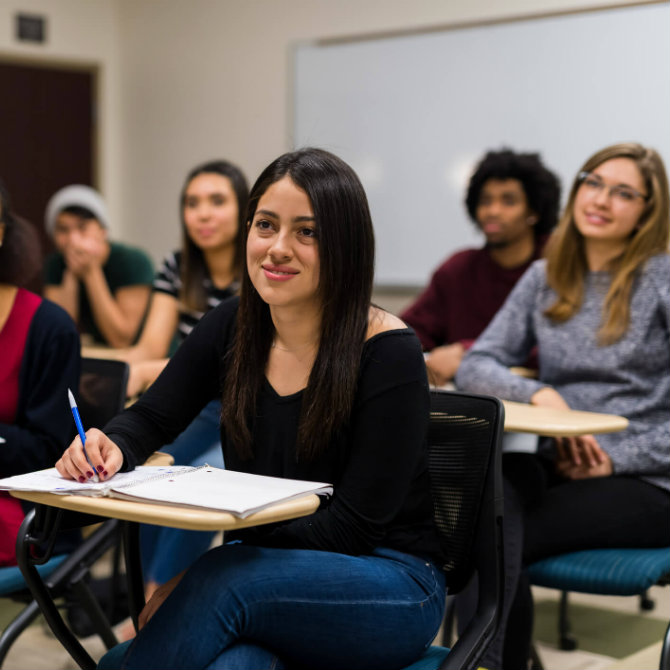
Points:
(39, 361)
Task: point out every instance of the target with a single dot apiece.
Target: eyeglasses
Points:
(620, 192)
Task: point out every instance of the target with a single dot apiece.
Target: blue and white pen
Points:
(82, 434)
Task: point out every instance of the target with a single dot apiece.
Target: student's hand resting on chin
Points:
(105, 455)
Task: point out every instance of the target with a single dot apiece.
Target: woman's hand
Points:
(581, 457)
(158, 598)
(548, 397)
(442, 363)
(106, 457)
(142, 375)
(136, 381)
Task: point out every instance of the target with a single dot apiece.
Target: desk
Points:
(131, 512)
(523, 418)
(100, 351)
(175, 516)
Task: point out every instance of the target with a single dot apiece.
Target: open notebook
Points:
(207, 487)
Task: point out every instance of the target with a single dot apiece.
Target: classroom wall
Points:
(209, 78)
(184, 81)
(79, 32)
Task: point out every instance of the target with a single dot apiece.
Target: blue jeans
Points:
(249, 608)
(168, 551)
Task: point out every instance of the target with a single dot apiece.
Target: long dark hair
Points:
(193, 267)
(346, 271)
(20, 251)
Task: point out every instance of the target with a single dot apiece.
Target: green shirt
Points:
(125, 266)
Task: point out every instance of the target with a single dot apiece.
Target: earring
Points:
(531, 220)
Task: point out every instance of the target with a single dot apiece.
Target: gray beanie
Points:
(76, 195)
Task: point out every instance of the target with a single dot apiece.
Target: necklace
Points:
(292, 351)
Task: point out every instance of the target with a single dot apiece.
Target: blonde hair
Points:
(566, 258)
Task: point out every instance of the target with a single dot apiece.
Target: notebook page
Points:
(50, 481)
(213, 488)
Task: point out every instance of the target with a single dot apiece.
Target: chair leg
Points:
(535, 660)
(665, 651)
(448, 622)
(92, 607)
(16, 626)
(566, 641)
(131, 549)
(646, 603)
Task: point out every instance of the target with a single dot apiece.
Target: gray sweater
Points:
(630, 377)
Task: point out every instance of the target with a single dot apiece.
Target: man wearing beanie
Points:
(104, 286)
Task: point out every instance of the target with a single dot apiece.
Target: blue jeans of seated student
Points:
(167, 551)
(246, 608)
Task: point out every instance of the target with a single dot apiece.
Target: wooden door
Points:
(47, 136)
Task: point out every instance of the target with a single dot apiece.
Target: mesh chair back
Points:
(464, 447)
(102, 390)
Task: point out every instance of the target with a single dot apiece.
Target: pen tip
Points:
(70, 396)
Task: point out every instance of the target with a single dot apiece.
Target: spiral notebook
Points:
(205, 487)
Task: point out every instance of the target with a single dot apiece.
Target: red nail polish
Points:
(82, 479)
(101, 468)
(89, 474)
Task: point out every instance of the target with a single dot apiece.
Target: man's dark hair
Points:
(82, 212)
(540, 185)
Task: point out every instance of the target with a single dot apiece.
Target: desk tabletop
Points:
(175, 516)
(523, 418)
(99, 351)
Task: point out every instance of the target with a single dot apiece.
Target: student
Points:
(513, 199)
(198, 277)
(190, 282)
(39, 360)
(599, 310)
(104, 286)
(317, 384)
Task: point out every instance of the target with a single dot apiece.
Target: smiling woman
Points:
(282, 250)
(191, 282)
(598, 309)
(317, 384)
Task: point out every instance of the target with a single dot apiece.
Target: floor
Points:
(37, 649)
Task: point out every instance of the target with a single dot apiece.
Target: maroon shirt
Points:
(463, 295)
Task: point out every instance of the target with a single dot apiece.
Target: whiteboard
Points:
(413, 113)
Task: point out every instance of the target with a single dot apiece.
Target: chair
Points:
(464, 438)
(617, 572)
(101, 395)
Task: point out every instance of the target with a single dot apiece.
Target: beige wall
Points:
(188, 80)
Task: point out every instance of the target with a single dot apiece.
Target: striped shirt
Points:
(168, 280)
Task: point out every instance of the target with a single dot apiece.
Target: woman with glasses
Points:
(598, 308)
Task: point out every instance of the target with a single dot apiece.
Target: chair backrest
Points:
(102, 390)
(464, 440)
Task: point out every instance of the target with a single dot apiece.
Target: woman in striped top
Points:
(190, 282)
(199, 276)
